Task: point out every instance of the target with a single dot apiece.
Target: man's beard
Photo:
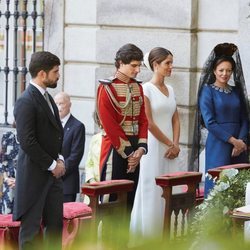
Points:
(50, 84)
(53, 86)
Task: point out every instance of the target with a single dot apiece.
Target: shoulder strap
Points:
(137, 81)
(105, 81)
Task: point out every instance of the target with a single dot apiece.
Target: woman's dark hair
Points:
(127, 53)
(219, 60)
(158, 55)
(42, 60)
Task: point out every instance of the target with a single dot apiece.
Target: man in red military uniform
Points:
(120, 107)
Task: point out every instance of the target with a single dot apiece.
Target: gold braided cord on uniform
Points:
(142, 140)
(114, 101)
(123, 145)
(128, 98)
(97, 106)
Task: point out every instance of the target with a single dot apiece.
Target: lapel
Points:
(54, 118)
(68, 125)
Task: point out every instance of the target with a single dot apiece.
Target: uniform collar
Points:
(122, 77)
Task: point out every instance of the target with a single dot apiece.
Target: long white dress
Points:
(148, 210)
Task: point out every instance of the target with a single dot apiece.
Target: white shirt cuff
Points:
(60, 157)
(53, 165)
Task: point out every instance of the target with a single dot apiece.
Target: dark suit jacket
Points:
(73, 149)
(40, 134)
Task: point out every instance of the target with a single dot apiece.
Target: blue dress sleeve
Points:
(206, 104)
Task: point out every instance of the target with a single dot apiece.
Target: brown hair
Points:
(42, 60)
(158, 55)
(127, 53)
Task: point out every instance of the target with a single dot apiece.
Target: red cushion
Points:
(73, 210)
(215, 172)
(239, 165)
(109, 182)
(178, 178)
(107, 187)
(6, 221)
(175, 174)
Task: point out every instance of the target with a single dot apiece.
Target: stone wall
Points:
(86, 35)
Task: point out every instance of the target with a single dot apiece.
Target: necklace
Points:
(227, 89)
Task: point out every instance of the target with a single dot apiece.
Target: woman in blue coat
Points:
(223, 109)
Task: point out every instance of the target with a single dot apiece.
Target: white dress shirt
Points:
(65, 119)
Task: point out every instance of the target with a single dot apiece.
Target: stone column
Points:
(244, 38)
(54, 34)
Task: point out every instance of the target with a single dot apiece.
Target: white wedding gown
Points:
(148, 211)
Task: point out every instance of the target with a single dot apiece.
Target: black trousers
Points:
(48, 211)
(119, 171)
(69, 197)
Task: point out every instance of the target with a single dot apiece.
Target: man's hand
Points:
(59, 170)
(134, 160)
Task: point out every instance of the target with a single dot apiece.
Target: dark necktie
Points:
(46, 95)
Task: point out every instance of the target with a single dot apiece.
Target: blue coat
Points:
(224, 115)
(72, 151)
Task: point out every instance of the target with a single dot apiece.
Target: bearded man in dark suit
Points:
(39, 194)
(73, 146)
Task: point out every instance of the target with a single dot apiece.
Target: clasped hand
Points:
(172, 152)
(239, 147)
(134, 159)
(59, 170)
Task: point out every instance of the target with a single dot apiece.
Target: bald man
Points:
(73, 146)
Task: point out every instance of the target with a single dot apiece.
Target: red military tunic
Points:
(120, 106)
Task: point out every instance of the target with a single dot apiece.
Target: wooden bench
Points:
(215, 172)
(75, 214)
(97, 189)
(180, 202)
(9, 231)
(113, 214)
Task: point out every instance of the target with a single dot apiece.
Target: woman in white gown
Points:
(163, 147)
